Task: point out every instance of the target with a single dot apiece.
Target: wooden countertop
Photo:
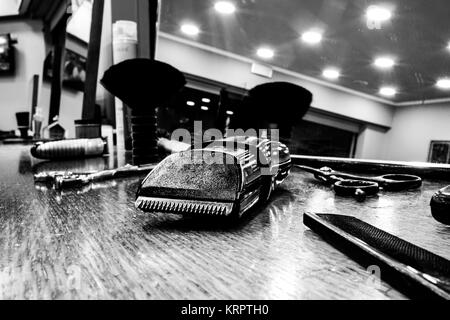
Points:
(94, 244)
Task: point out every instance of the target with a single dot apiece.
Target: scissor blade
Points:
(310, 170)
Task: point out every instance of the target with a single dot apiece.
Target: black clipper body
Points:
(225, 178)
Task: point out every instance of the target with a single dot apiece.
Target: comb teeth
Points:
(188, 207)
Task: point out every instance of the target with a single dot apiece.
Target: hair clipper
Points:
(224, 178)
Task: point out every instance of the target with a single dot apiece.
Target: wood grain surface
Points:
(93, 243)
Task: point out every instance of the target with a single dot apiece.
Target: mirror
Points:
(51, 58)
(379, 72)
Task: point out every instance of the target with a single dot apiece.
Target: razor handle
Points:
(225, 178)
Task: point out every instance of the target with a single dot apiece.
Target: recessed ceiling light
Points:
(388, 91)
(204, 108)
(384, 63)
(443, 83)
(312, 37)
(190, 29)
(206, 100)
(331, 73)
(265, 53)
(230, 113)
(378, 14)
(190, 103)
(225, 7)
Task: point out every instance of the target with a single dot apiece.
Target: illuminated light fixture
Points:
(2, 50)
(204, 108)
(265, 53)
(206, 100)
(443, 83)
(384, 63)
(378, 14)
(388, 91)
(225, 7)
(230, 113)
(331, 73)
(3, 41)
(190, 29)
(190, 103)
(312, 37)
(448, 46)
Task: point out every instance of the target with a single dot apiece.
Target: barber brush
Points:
(69, 149)
(144, 85)
(276, 105)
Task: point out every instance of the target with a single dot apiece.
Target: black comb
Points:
(411, 269)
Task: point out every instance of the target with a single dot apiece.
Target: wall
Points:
(371, 143)
(413, 129)
(16, 91)
(235, 71)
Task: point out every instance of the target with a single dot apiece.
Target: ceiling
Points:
(417, 37)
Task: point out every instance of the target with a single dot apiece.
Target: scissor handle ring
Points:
(349, 188)
(400, 182)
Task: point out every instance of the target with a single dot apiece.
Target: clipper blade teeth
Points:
(188, 207)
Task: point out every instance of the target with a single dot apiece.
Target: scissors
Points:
(349, 185)
(65, 180)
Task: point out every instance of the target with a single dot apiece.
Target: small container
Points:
(23, 123)
(38, 118)
(440, 206)
(87, 129)
(125, 40)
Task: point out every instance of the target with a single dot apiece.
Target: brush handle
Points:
(144, 134)
(69, 149)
